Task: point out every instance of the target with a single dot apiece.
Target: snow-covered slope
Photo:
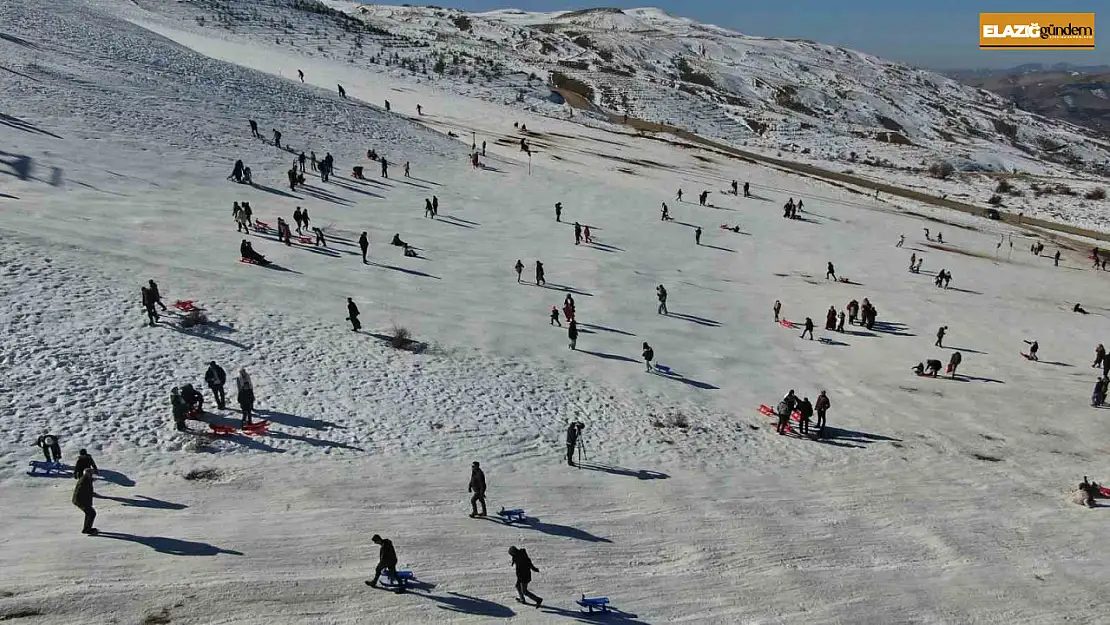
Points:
(930, 500)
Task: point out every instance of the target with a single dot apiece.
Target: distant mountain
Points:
(1028, 68)
(1078, 95)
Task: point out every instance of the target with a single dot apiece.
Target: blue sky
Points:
(939, 34)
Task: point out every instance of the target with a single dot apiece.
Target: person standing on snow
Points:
(385, 168)
(747, 189)
(649, 355)
(1056, 259)
(364, 245)
(300, 75)
(148, 305)
(301, 158)
(342, 91)
(277, 138)
(1098, 396)
(805, 408)
(558, 211)
(568, 307)
(524, 568)
(352, 315)
(953, 363)
(586, 234)
(572, 334)
(254, 129)
(830, 319)
(215, 377)
(1100, 355)
(577, 233)
(539, 274)
(777, 308)
(808, 329)
(297, 218)
(840, 322)
(940, 336)
(822, 406)
(679, 196)
(155, 294)
(435, 206)
(697, 236)
(661, 295)
(666, 213)
(519, 267)
(245, 395)
(574, 430)
(83, 498)
(555, 317)
(478, 488)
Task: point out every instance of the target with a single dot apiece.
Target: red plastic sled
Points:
(765, 409)
(306, 240)
(261, 225)
(185, 305)
(1105, 492)
(788, 324)
(247, 261)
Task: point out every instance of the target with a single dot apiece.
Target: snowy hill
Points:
(926, 500)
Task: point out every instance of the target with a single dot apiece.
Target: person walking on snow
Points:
(679, 196)
(1056, 259)
(277, 138)
(254, 129)
(577, 233)
(808, 329)
(364, 245)
(1100, 355)
(385, 168)
(568, 307)
(407, 170)
(703, 197)
(940, 336)
(555, 317)
(574, 430)
(320, 240)
(901, 240)
(519, 266)
(524, 568)
(352, 315)
(777, 308)
(300, 75)
(387, 563)
(586, 234)
(342, 91)
(478, 488)
(148, 305)
(666, 213)
(572, 334)
(539, 274)
(1033, 347)
(297, 218)
(830, 272)
(697, 236)
(215, 377)
(155, 294)
(661, 295)
(747, 189)
(83, 498)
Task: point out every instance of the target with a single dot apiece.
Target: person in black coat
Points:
(155, 294)
(83, 499)
(364, 245)
(822, 407)
(148, 306)
(51, 448)
(808, 329)
(524, 568)
(215, 378)
(539, 274)
(572, 334)
(478, 488)
(387, 561)
(649, 355)
(352, 315)
(805, 408)
(84, 461)
(574, 430)
(192, 398)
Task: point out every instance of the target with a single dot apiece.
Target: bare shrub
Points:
(1004, 186)
(1098, 193)
(941, 169)
(206, 474)
(996, 200)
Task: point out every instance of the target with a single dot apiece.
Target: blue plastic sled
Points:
(42, 467)
(514, 515)
(402, 576)
(594, 603)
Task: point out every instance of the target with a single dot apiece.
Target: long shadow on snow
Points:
(295, 421)
(115, 477)
(348, 187)
(19, 124)
(446, 220)
(603, 247)
(843, 434)
(608, 356)
(268, 189)
(206, 336)
(465, 604)
(594, 326)
(460, 219)
(424, 181)
(671, 375)
(403, 270)
(142, 501)
(641, 474)
(964, 349)
(567, 289)
(894, 329)
(171, 546)
(554, 529)
(323, 251)
(325, 196)
(251, 442)
(413, 184)
(695, 319)
(612, 615)
(959, 290)
(714, 247)
(978, 379)
(315, 442)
